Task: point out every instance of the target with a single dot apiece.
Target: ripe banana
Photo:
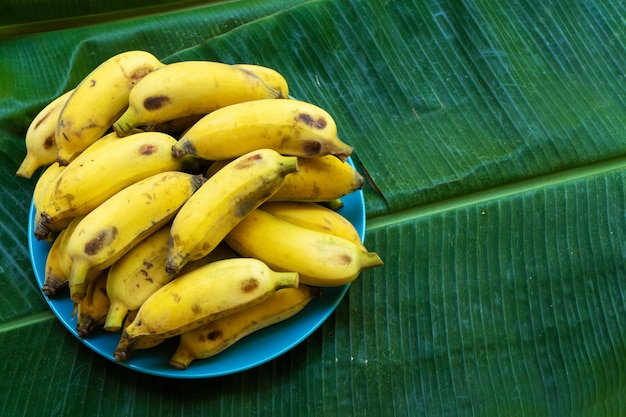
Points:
(271, 77)
(41, 147)
(205, 294)
(223, 201)
(93, 177)
(55, 277)
(290, 127)
(214, 337)
(141, 271)
(98, 101)
(314, 216)
(136, 275)
(115, 226)
(42, 192)
(320, 258)
(320, 179)
(91, 311)
(191, 87)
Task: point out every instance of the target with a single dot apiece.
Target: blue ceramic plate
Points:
(251, 351)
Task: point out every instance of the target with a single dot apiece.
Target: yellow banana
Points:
(320, 179)
(216, 336)
(290, 127)
(205, 294)
(41, 148)
(191, 87)
(320, 258)
(98, 101)
(136, 275)
(93, 177)
(271, 77)
(222, 201)
(55, 277)
(91, 311)
(314, 216)
(41, 193)
(115, 226)
(141, 271)
(43, 189)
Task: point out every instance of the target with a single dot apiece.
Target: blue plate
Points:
(251, 351)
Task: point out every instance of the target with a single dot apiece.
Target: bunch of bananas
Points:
(187, 200)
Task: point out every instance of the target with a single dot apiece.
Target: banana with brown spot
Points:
(115, 226)
(41, 147)
(207, 293)
(98, 100)
(98, 174)
(141, 271)
(320, 258)
(44, 188)
(186, 88)
(222, 201)
(290, 127)
(326, 178)
(216, 336)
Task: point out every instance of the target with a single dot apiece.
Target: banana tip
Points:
(178, 365)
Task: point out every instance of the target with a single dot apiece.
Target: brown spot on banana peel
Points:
(249, 161)
(139, 73)
(147, 149)
(49, 142)
(213, 335)
(196, 309)
(319, 123)
(311, 147)
(104, 238)
(249, 285)
(155, 102)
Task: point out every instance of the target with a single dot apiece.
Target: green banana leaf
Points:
(493, 138)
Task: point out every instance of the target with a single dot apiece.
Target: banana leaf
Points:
(493, 138)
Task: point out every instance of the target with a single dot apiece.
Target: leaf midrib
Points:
(496, 193)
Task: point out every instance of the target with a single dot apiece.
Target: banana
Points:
(316, 217)
(41, 148)
(216, 336)
(115, 226)
(222, 201)
(141, 271)
(271, 77)
(98, 101)
(91, 311)
(205, 294)
(42, 192)
(320, 258)
(290, 127)
(190, 87)
(43, 189)
(55, 278)
(136, 275)
(320, 179)
(93, 177)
